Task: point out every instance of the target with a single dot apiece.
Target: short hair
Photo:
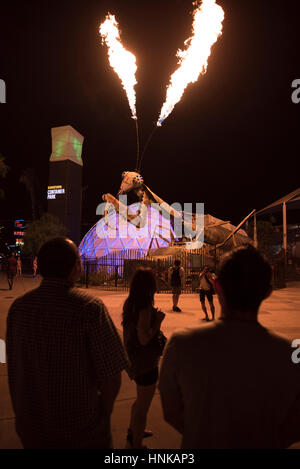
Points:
(245, 277)
(57, 258)
(177, 262)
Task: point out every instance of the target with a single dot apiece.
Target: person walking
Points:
(233, 384)
(207, 291)
(19, 266)
(176, 281)
(35, 266)
(64, 358)
(144, 344)
(11, 269)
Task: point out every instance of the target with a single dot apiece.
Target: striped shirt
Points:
(61, 345)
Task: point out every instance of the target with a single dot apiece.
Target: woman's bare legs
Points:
(139, 412)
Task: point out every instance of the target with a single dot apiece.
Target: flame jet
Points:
(121, 60)
(207, 27)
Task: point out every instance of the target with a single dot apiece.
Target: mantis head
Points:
(130, 180)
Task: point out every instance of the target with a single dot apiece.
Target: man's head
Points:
(59, 258)
(177, 263)
(244, 281)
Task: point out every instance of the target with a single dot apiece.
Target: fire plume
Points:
(121, 60)
(207, 27)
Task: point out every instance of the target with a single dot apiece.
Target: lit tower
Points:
(65, 179)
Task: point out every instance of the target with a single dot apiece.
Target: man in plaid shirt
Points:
(64, 358)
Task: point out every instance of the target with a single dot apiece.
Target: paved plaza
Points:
(281, 313)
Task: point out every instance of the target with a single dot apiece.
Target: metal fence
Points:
(114, 271)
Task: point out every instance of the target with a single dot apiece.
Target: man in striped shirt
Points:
(64, 358)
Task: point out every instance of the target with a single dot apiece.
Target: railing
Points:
(114, 271)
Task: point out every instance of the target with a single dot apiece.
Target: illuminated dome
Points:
(115, 235)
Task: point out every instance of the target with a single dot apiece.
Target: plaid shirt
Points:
(61, 345)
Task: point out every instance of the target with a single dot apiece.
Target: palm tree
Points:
(3, 172)
(28, 178)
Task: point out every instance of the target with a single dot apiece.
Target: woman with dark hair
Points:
(144, 343)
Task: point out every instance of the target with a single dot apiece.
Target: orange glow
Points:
(121, 60)
(207, 27)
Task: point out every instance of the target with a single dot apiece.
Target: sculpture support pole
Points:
(236, 229)
(137, 144)
(255, 231)
(145, 148)
(284, 232)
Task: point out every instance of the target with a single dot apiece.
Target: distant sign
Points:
(53, 191)
(20, 225)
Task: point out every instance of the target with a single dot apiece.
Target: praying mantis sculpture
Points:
(215, 232)
(132, 181)
(207, 28)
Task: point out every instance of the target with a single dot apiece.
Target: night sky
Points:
(232, 141)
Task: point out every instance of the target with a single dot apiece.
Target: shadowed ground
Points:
(281, 313)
